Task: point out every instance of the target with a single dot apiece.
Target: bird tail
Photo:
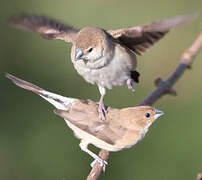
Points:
(135, 76)
(60, 102)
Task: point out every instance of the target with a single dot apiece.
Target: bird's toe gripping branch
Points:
(102, 109)
(101, 162)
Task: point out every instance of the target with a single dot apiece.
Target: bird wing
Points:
(99, 130)
(87, 120)
(46, 27)
(141, 38)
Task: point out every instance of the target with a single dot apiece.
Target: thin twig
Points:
(163, 87)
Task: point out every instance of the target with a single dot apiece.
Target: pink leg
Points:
(84, 146)
(102, 108)
(130, 85)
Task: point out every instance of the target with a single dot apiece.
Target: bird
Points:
(122, 129)
(106, 58)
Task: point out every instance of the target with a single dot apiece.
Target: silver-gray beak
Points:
(158, 113)
(78, 53)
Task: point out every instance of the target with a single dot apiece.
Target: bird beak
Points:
(78, 54)
(158, 113)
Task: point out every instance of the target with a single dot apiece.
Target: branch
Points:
(163, 88)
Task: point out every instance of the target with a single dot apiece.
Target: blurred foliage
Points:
(36, 144)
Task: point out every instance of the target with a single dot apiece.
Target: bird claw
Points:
(130, 85)
(101, 162)
(102, 110)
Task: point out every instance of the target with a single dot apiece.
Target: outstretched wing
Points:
(46, 27)
(141, 38)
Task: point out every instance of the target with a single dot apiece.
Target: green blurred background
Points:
(37, 144)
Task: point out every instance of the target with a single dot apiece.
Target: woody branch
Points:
(163, 88)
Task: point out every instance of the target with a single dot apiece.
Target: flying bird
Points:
(122, 129)
(106, 58)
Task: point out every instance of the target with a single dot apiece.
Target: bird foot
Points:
(130, 85)
(101, 162)
(102, 110)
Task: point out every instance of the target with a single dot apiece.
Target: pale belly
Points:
(108, 78)
(115, 73)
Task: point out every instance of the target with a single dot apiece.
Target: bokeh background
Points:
(37, 144)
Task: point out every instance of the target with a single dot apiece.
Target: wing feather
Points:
(46, 27)
(140, 38)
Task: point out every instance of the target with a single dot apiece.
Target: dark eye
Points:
(90, 49)
(147, 115)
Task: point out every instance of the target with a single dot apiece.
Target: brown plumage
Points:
(105, 58)
(122, 129)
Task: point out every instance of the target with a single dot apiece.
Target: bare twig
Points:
(163, 87)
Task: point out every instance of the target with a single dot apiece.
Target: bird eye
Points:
(90, 49)
(147, 115)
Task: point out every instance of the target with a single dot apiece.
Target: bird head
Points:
(90, 44)
(143, 116)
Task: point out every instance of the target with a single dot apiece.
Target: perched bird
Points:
(122, 129)
(103, 57)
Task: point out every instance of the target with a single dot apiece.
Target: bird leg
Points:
(84, 146)
(130, 84)
(102, 108)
